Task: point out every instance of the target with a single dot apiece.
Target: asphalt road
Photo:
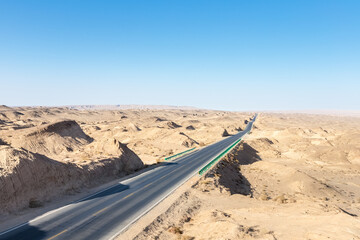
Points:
(109, 212)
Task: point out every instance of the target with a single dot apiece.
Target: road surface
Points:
(109, 212)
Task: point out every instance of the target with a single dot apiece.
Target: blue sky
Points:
(231, 55)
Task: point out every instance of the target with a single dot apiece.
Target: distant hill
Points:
(131, 106)
(4, 107)
(336, 113)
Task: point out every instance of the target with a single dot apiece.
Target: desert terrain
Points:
(296, 176)
(47, 153)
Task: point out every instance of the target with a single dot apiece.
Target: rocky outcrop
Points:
(159, 119)
(173, 125)
(134, 128)
(2, 142)
(27, 178)
(35, 167)
(190, 127)
(114, 149)
(54, 139)
(225, 133)
(188, 142)
(239, 129)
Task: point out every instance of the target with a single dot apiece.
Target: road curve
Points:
(107, 213)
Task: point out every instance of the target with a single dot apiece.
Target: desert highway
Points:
(109, 212)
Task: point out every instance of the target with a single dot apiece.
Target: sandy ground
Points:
(50, 156)
(297, 176)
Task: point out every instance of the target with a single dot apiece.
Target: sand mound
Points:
(132, 127)
(188, 142)
(267, 147)
(13, 114)
(296, 132)
(4, 107)
(238, 129)
(225, 133)
(190, 127)
(226, 177)
(353, 156)
(172, 125)
(112, 148)
(63, 128)
(34, 114)
(159, 119)
(2, 142)
(3, 117)
(55, 138)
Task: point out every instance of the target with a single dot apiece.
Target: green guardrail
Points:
(210, 164)
(178, 154)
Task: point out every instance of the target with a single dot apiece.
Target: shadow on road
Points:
(122, 187)
(113, 190)
(168, 163)
(26, 232)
